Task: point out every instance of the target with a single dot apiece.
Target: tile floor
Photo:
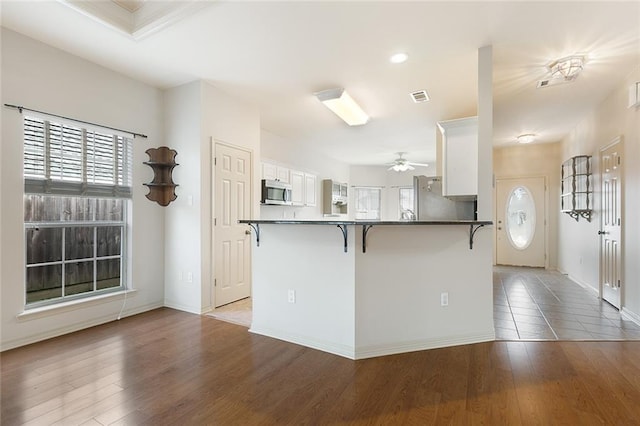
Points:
(536, 304)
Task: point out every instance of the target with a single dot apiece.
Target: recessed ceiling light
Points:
(398, 58)
(526, 138)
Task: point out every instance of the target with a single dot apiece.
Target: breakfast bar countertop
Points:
(366, 222)
(474, 226)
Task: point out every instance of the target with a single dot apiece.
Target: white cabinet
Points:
(297, 188)
(282, 174)
(269, 171)
(310, 190)
(459, 158)
(303, 188)
(274, 172)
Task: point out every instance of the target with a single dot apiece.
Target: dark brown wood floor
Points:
(167, 367)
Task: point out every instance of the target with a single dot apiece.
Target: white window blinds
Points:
(65, 159)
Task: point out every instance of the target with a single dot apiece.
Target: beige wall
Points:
(579, 241)
(41, 77)
(535, 160)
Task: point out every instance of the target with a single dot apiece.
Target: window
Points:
(367, 203)
(520, 218)
(77, 188)
(405, 203)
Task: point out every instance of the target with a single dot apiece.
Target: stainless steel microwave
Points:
(275, 192)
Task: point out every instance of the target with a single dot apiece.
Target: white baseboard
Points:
(376, 350)
(584, 284)
(331, 347)
(181, 307)
(421, 345)
(27, 340)
(630, 316)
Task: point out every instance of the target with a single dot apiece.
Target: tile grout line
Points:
(540, 310)
(506, 295)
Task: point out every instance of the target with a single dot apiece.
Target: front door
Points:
(520, 220)
(232, 243)
(611, 224)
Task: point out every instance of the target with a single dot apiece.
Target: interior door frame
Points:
(618, 140)
(546, 214)
(212, 248)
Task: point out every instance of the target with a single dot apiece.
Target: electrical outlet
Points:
(444, 299)
(291, 296)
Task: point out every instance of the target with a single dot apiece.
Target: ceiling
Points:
(275, 55)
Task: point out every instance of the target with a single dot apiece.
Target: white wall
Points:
(578, 241)
(196, 114)
(296, 156)
(535, 160)
(41, 77)
(183, 111)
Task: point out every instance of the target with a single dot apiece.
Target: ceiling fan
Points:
(401, 164)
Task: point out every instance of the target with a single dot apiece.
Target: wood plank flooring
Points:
(167, 367)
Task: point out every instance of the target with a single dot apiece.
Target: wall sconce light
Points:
(343, 105)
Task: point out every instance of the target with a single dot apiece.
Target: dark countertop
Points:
(367, 222)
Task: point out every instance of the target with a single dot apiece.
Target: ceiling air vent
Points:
(419, 96)
(551, 82)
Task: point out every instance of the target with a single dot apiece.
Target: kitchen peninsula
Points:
(363, 289)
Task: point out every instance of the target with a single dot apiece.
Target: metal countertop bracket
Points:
(365, 231)
(472, 233)
(256, 228)
(343, 228)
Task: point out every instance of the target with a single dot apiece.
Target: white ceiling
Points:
(275, 55)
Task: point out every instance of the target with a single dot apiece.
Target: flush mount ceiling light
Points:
(343, 105)
(398, 58)
(526, 138)
(567, 68)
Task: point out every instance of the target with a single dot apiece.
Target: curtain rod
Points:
(20, 108)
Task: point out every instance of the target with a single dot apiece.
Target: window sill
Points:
(72, 305)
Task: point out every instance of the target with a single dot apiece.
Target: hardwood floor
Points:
(166, 367)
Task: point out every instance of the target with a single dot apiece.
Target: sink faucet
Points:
(407, 214)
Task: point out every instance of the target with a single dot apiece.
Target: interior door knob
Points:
(602, 233)
(248, 232)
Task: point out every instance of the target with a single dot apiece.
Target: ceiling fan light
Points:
(401, 167)
(567, 68)
(343, 105)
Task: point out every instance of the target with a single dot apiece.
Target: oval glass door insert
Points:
(520, 218)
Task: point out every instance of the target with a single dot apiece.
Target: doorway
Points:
(521, 221)
(611, 223)
(232, 243)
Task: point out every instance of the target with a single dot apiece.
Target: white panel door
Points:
(611, 224)
(232, 242)
(520, 222)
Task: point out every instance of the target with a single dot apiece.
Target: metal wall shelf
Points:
(576, 197)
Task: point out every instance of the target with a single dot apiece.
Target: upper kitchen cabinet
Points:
(458, 157)
(310, 190)
(274, 172)
(303, 188)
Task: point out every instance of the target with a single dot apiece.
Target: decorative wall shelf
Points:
(162, 161)
(577, 188)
